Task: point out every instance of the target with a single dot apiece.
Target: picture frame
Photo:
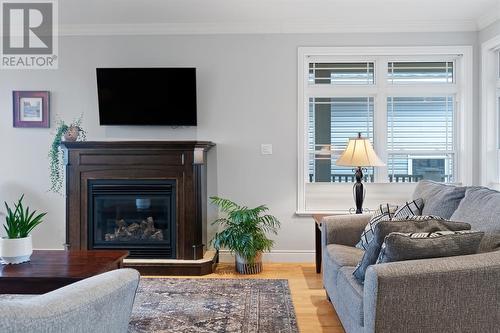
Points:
(31, 109)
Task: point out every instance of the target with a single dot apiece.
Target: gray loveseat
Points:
(99, 304)
(453, 294)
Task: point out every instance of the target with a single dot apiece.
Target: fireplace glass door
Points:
(137, 215)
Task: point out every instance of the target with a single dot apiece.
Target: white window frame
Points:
(337, 198)
(490, 164)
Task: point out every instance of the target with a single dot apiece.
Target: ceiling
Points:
(273, 16)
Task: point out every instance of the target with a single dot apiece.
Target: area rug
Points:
(213, 306)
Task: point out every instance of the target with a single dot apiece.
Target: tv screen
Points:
(147, 96)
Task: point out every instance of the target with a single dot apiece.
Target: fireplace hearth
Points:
(148, 197)
(136, 215)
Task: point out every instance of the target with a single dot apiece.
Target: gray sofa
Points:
(100, 304)
(453, 294)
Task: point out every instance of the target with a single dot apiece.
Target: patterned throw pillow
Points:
(384, 212)
(410, 209)
(389, 212)
(399, 246)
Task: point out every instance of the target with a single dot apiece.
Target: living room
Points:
(240, 166)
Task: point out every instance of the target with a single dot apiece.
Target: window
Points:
(490, 112)
(420, 138)
(498, 94)
(420, 130)
(414, 104)
(332, 121)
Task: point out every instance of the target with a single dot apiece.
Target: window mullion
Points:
(380, 118)
(420, 90)
(340, 91)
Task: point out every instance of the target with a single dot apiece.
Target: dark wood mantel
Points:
(182, 161)
(142, 145)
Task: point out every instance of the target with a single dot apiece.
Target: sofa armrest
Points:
(343, 229)
(452, 294)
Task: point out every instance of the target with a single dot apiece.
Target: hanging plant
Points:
(71, 132)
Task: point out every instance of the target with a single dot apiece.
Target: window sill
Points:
(325, 198)
(311, 213)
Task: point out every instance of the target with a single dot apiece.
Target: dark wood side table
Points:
(52, 269)
(317, 233)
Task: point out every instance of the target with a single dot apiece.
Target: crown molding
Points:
(206, 28)
(488, 18)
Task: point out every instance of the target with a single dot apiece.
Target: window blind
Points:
(341, 73)
(420, 137)
(332, 122)
(420, 72)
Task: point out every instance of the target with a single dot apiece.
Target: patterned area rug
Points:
(213, 306)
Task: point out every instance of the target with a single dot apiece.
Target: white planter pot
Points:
(16, 251)
(243, 266)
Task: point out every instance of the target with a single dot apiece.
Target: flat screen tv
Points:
(147, 96)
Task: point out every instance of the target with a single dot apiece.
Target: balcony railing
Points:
(340, 178)
(399, 178)
(405, 178)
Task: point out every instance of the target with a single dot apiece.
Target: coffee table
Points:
(52, 269)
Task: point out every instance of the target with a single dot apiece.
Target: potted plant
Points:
(17, 246)
(71, 132)
(244, 233)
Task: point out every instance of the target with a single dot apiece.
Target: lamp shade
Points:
(359, 153)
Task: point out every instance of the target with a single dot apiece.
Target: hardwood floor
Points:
(314, 313)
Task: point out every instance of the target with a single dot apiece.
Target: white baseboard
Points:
(276, 256)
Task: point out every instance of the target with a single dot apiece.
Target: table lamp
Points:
(359, 153)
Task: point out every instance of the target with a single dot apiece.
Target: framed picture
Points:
(31, 109)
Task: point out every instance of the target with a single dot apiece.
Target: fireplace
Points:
(149, 197)
(136, 215)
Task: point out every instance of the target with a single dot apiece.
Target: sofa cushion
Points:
(481, 208)
(342, 255)
(439, 199)
(419, 224)
(350, 294)
(409, 246)
(335, 257)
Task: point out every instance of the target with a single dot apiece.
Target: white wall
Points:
(247, 86)
(489, 32)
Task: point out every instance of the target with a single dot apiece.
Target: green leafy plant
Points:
(56, 154)
(244, 229)
(20, 222)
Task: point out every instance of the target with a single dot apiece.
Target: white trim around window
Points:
(337, 198)
(490, 74)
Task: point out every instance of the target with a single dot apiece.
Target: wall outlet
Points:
(266, 149)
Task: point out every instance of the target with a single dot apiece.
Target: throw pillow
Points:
(439, 199)
(410, 209)
(409, 246)
(384, 212)
(387, 212)
(490, 242)
(480, 208)
(418, 224)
